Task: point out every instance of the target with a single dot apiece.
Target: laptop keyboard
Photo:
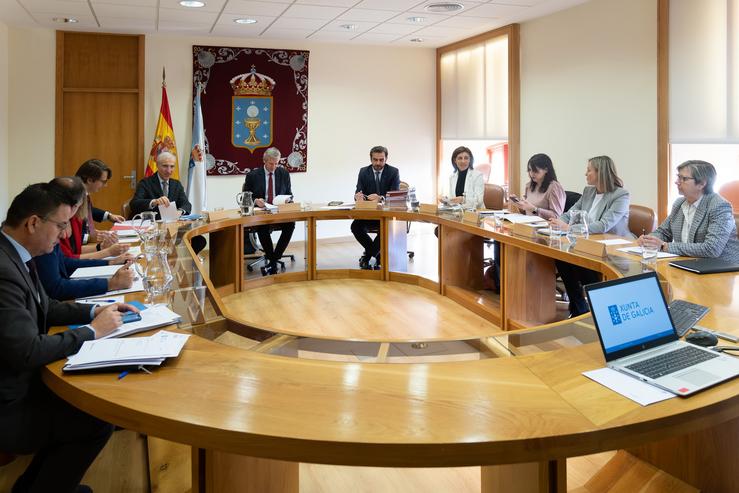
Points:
(685, 315)
(667, 363)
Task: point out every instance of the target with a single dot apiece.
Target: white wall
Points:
(4, 202)
(589, 87)
(358, 97)
(31, 74)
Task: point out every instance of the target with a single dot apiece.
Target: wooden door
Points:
(99, 109)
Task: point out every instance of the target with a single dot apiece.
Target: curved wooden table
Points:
(531, 410)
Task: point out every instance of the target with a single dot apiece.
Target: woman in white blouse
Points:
(465, 182)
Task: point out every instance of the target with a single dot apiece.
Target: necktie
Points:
(165, 188)
(90, 220)
(270, 192)
(377, 182)
(34, 277)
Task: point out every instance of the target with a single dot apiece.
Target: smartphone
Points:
(131, 317)
(335, 203)
(514, 198)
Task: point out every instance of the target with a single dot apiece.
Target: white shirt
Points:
(689, 214)
(594, 206)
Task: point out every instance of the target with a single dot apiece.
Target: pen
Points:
(94, 300)
(122, 374)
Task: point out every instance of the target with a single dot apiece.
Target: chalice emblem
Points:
(252, 123)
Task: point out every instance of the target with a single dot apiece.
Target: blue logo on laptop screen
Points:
(615, 315)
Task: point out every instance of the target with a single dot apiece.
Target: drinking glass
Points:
(649, 253)
(578, 226)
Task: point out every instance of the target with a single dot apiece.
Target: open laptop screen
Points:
(630, 314)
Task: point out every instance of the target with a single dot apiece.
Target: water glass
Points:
(649, 253)
(578, 227)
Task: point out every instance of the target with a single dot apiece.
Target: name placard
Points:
(291, 207)
(366, 205)
(471, 217)
(591, 247)
(428, 208)
(223, 214)
(524, 229)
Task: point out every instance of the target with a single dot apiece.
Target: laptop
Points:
(638, 338)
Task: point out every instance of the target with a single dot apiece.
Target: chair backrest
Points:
(642, 219)
(126, 209)
(730, 191)
(484, 168)
(493, 196)
(736, 221)
(570, 199)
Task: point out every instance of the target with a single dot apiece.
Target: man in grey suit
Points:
(64, 439)
(701, 223)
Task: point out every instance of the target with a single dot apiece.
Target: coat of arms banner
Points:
(253, 98)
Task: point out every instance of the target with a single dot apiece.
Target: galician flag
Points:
(196, 170)
(163, 137)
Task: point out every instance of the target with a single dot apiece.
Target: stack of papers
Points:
(95, 272)
(152, 350)
(151, 318)
(524, 219)
(636, 250)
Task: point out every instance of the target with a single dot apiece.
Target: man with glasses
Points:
(33, 419)
(701, 223)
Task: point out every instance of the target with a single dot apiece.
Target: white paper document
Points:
(636, 250)
(129, 239)
(94, 272)
(282, 199)
(169, 213)
(342, 207)
(150, 350)
(137, 285)
(521, 218)
(155, 316)
(126, 233)
(636, 390)
(615, 241)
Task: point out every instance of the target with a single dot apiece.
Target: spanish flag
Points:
(164, 137)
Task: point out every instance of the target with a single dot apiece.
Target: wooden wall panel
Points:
(99, 109)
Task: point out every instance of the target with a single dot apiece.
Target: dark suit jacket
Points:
(25, 345)
(149, 189)
(255, 182)
(390, 180)
(54, 270)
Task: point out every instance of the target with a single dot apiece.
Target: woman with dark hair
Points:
(465, 182)
(543, 195)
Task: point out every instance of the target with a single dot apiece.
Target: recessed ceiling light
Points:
(443, 7)
(193, 4)
(348, 27)
(65, 20)
(416, 40)
(245, 21)
(416, 19)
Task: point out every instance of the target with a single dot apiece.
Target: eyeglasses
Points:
(62, 226)
(684, 178)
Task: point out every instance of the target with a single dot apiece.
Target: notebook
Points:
(638, 338)
(706, 265)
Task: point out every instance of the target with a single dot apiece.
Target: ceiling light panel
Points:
(368, 15)
(492, 10)
(313, 12)
(210, 5)
(251, 9)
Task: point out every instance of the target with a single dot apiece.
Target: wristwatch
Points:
(535, 211)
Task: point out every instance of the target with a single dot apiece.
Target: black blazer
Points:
(25, 346)
(390, 180)
(149, 189)
(254, 182)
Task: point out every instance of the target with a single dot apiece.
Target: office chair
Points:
(570, 199)
(642, 219)
(494, 196)
(405, 186)
(560, 293)
(251, 244)
(126, 209)
(730, 191)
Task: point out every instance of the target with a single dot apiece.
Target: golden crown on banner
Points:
(252, 84)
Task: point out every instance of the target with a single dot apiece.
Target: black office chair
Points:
(560, 293)
(570, 199)
(252, 247)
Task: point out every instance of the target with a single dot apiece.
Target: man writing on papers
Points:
(373, 182)
(265, 184)
(33, 419)
(160, 189)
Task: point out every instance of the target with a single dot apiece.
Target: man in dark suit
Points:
(265, 184)
(160, 188)
(33, 419)
(374, 182)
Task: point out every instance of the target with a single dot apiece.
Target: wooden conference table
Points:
(251, 415)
